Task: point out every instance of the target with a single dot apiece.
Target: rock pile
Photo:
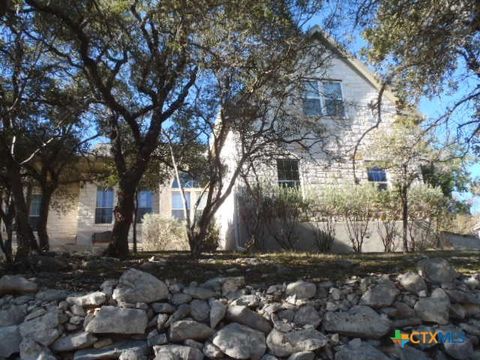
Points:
(142, 317)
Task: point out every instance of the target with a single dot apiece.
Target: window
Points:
(323, 98)
(34, 214)
(186, 181)
(177, 204)
(287, 172)
(104, 209)
(378, 176)
(332, 98)
(311, 99)
(144, 204)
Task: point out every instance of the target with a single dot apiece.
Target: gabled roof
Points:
(352, 61)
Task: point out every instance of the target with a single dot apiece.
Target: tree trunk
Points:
(404, 219)
(123, 214)
(26, 241)
(135, 214)
(43, 219)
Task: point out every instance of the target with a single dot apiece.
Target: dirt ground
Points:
(85, 273)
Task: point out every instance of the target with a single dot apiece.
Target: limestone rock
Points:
(10, 342)
(459, 351)
(42, 329)
(189, 329)
(110, 319)
(13, 315)
(16, 284)
(301, 289)
(175, 352)
(138, 286)
(359, 321)
(96, 298)
(436, 270)
(75, 341)
(217, 312)
(199, 310)
(412, 282)
(113, 351)
(240, 342)
(435, 308)
(199, 292)
(359, 351)
(307, 315)
(243, 315)
(284, 344)
(380, 295)
(30, 350)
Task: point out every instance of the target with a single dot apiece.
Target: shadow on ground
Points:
(81, 273)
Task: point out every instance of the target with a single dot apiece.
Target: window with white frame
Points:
(104, 207)
(144, 204)
(34, 213)
(323, 98)
(288, 173)
(378, 176)
(191, 190)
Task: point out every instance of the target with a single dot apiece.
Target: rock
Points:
(359, 321)
(10, 343)
(247, 300)
(301, 289)
(30, 350)
(113, 351)
(240, 342)
(42, 329)
(284, 344)
(436, 270)
(217, 312)
(93, 299)
(245, 316)
(49, 263)
(179, 299)
(435, 308)
(178, 352)
(199, 310)
(304, 355)
(13, 315)
(380, 295)
(52, 295)
(211, 351)
(412, 282)
(75, 341)
(232, 284)
(132, 354)
(410, 353)
(189, 329)
(110, 319)
(137, 286)
(199, 292)
(307, 315)
(164, 308)
(16, 284)
(459, 350)
(359, 351)
(181, 313)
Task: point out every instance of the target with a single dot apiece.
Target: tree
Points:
(409, 148)
(249, 109)
(429, 48)
(142, 59)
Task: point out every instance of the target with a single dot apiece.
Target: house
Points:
(345, 91)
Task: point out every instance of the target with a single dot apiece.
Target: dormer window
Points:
(323, 98)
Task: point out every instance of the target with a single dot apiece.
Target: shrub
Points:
(160, 233)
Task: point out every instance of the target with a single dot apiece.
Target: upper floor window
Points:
(287, 172)
(144, 204)
(378, 176)
(34, 214)
(104, 207)
(323, 98)
(178, 209)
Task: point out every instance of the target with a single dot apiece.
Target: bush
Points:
(160, 233)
